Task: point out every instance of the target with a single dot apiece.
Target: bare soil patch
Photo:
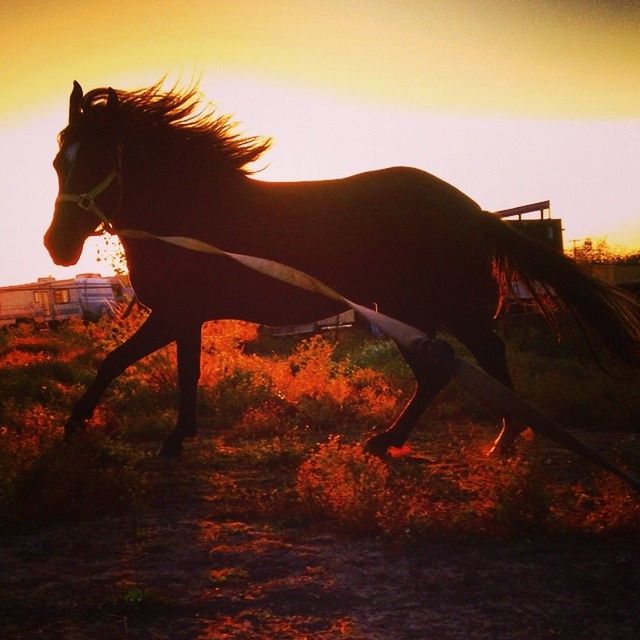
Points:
(172, 569)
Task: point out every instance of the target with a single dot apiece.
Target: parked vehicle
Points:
(86, 296)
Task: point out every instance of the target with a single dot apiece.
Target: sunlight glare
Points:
(28, 188)
(585, 167)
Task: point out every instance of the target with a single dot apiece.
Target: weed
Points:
(135, 599)
(271, 418)
(69, 481)
(228, 575)
(232, 397)
(278, 452)
(274, 399)
(5, 342)
(344, 483)
(142, 427)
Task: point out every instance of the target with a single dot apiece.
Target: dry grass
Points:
(283, 425)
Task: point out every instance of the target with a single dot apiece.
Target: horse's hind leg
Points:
(430, 380)
(490, 352)
(150, 336)
(189, 346)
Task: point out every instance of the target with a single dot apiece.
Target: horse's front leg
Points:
(189, 346)
(152, 334)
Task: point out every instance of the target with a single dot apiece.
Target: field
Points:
(275, 523)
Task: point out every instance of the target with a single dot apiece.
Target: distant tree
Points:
(112, 254)
(632, 257)
(599, 251)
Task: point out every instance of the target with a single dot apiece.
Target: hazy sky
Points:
(511, 101)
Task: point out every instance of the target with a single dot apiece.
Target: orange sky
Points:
(512, 102)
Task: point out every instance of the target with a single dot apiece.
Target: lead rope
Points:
(407, 336)
(438, 352)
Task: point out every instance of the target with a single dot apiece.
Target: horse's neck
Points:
(183, 199)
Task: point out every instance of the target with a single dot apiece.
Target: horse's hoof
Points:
(506, 444)
(170, 449)
(509, 439)
(502, 448)
(379, 445)
(189, 431)
(73, 427)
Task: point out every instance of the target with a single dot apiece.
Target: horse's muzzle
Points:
(62, 254)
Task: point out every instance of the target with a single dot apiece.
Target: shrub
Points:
(29, 432)
(88, 477)
(611, 506)
(277, 402)
(463, 492)
(381, 356)
(4, 340)
(345, 484)
(226, 402)
(149, 426)
(271, 418)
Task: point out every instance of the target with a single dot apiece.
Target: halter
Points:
(86, 201)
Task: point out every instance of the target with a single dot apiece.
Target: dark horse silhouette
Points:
(423, 251)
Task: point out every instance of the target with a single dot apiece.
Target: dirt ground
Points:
(171, 571)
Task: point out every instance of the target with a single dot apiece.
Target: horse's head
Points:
(88, 167)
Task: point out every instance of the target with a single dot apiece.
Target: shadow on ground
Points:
(172, 571)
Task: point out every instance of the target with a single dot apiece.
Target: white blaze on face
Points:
(71, 152)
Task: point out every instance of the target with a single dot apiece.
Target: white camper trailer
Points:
(87, 296)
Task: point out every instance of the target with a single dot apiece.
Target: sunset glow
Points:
(510, 102)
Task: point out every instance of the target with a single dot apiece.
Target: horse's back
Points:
(398, 237)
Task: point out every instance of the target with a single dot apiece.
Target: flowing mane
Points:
(184, 118)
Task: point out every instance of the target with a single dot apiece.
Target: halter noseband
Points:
(86, 201)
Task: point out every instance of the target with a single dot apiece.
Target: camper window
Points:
(61, 296)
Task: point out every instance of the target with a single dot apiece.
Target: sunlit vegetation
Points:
(281, 422)
(600, 251)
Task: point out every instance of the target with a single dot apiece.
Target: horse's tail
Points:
(613, 312)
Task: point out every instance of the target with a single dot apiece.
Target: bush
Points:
(274, 403)
(88, 477)
(273, 417)
(568, 384)
(345, 484)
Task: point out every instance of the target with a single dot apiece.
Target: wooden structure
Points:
(341, 321)
(545, 229)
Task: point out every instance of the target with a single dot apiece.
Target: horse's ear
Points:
(75, 103)
(112, 101)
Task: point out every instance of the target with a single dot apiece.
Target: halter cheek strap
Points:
(86, 201)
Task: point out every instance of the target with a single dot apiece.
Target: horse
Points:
(400, 238)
